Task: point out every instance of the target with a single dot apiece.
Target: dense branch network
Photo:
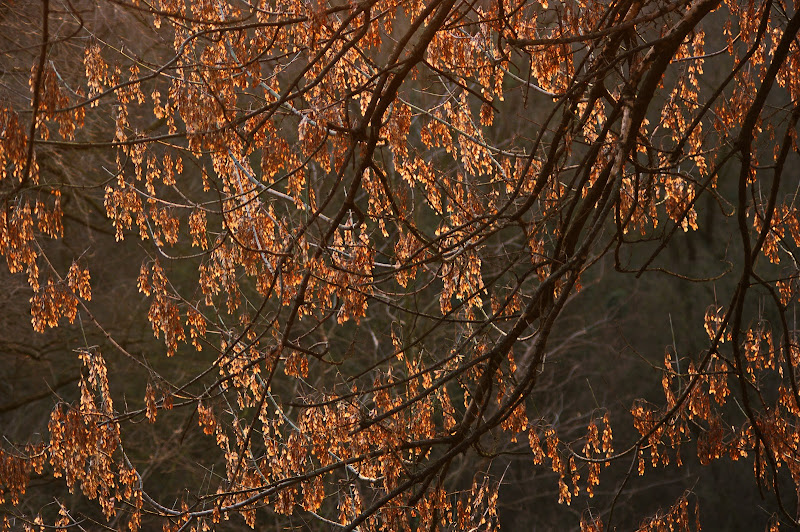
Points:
(362, 222)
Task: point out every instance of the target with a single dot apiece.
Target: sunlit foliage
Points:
(384, 207)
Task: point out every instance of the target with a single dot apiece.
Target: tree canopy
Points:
(398, 264)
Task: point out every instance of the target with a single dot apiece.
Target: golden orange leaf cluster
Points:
(361, 229)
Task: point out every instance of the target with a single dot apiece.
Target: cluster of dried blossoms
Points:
(388, 204)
